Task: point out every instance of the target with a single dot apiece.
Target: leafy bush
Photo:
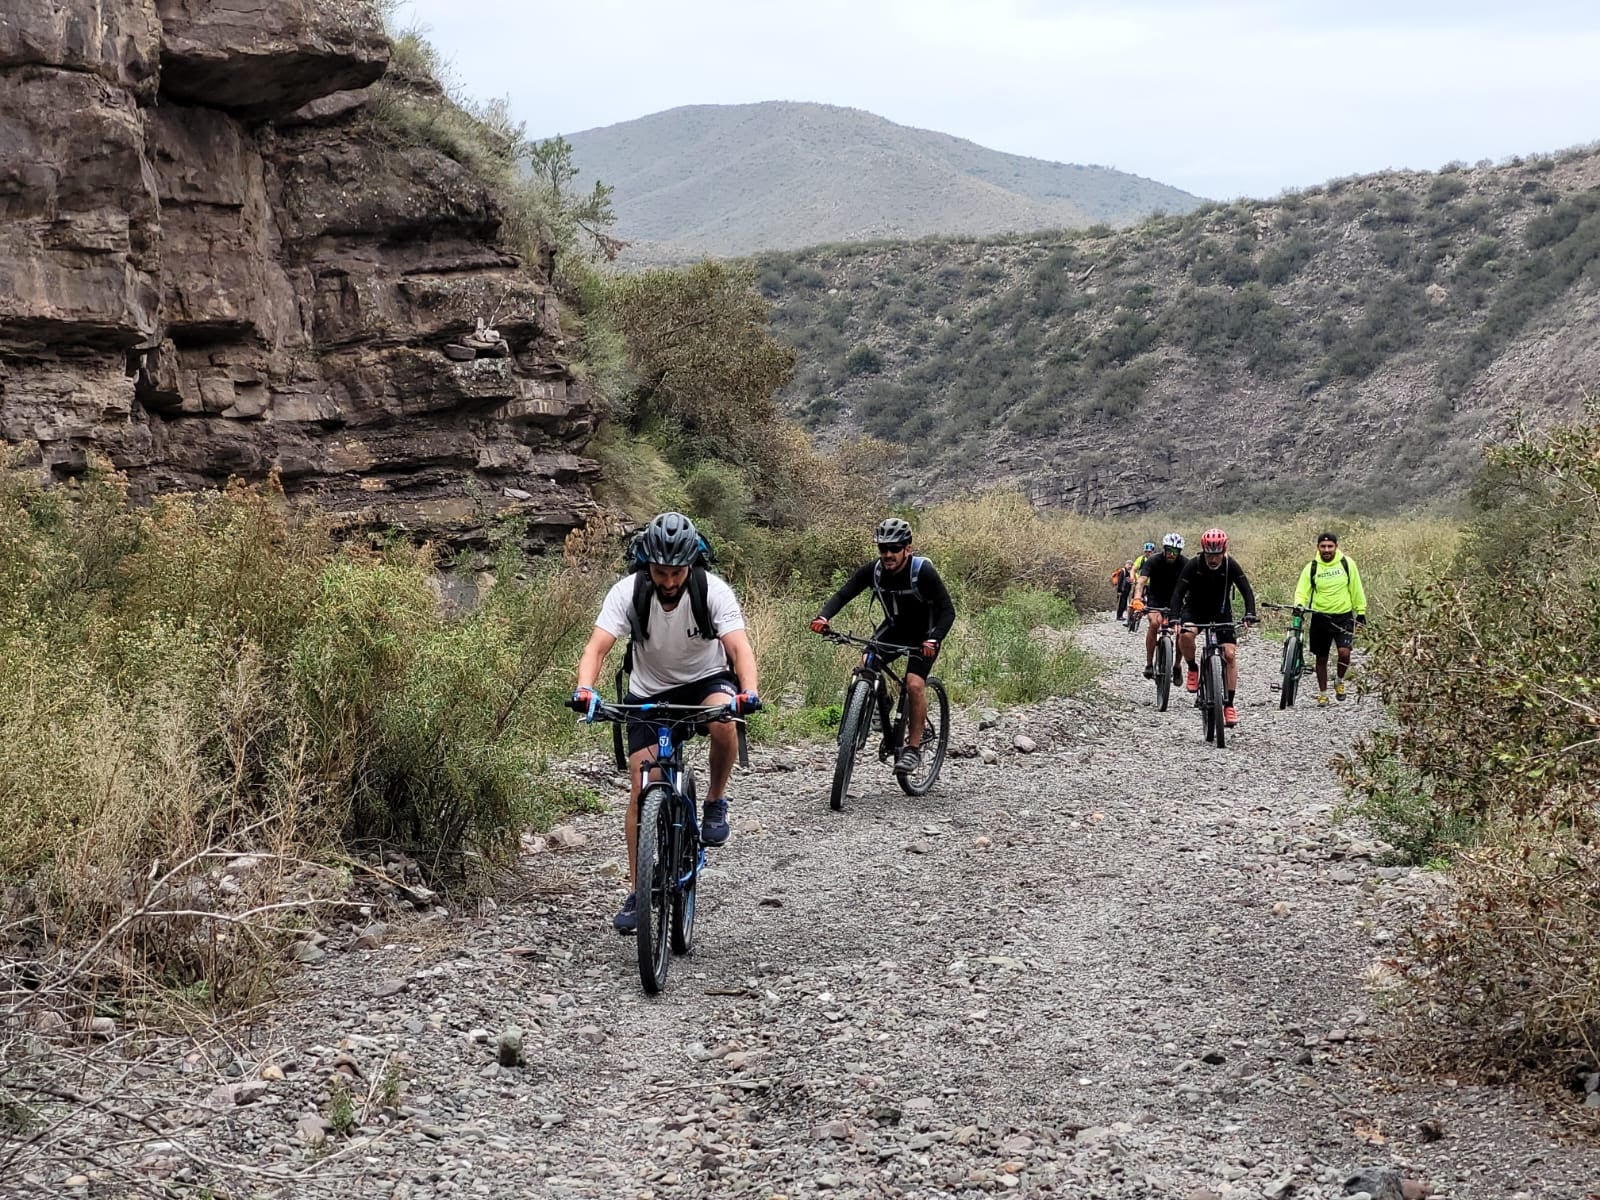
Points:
(863, 360)
(1492, 687)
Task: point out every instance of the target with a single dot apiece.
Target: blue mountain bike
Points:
(670, 855)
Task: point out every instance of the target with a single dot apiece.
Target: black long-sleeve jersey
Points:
(915, 600)
(1205, 594)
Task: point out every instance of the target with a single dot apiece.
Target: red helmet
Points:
(1213, 541)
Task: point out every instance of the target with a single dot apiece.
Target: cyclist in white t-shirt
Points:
(688, 647)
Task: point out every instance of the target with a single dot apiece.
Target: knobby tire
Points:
(852, 731)
(1289, 685)
(935, 733)
(1219, 700)
(1164, 655)
(653, 886)
(683, 895)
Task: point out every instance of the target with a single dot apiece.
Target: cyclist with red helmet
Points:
(1204, 596)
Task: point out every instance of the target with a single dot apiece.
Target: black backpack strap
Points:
(700, 603)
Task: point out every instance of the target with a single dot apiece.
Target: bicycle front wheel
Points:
(852, 731)
(1218, 700)
(653, 886)
(1163, 672)
(1290, 682)
(935, 739)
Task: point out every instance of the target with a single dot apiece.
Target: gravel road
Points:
(1122, 965)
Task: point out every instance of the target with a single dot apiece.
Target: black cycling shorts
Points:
(1331, 629)
(1227, 635)
(916, 664)
(642, 730)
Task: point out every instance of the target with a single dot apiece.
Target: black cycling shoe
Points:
(1150, 672)
(909, 762)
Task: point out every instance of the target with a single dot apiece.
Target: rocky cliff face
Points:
(213, 262)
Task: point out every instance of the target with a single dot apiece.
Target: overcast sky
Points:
(1238, 97)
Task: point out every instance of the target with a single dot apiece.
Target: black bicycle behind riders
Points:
(877, 699)
(1293, 663)
(669, 855)
(1166, 661)
(1212, 698)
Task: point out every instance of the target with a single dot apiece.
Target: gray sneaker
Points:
(909, 762)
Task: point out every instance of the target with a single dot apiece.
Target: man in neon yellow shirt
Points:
(1330, 587)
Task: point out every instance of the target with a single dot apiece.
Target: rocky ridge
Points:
(215, 262)
(1106, 962)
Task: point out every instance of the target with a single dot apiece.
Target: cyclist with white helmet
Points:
(1204, 596)
(1158, 578)
(917, 612)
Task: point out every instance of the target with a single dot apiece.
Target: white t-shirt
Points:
(669, 656)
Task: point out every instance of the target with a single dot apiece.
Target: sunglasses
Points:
(890, 551)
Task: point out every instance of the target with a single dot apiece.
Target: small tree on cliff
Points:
(571, 217)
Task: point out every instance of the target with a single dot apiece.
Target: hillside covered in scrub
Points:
(1351, 344)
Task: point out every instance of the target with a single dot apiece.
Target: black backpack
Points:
(889, 598)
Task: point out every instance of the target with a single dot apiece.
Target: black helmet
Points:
(892, 531)
(670, 540)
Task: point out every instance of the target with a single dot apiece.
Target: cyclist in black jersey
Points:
(1204, 596)
(917, 612)
(1157, 580)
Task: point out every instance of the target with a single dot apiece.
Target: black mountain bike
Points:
(1293, 664)
(1166, 664)
(1212, 698)
(670, 856)
(876, 699)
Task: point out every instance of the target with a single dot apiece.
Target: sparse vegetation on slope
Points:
(1363, 336)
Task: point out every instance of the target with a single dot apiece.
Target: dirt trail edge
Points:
(1124, 964)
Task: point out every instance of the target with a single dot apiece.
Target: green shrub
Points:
(1491, 682)
(863, 360)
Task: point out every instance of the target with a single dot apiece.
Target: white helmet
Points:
(1173, 541)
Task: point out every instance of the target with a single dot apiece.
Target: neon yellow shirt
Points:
(1337, 588)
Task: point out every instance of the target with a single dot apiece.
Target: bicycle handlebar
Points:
(851, 639)
(675, 714)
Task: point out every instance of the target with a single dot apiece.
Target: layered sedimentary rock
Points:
(213, 262)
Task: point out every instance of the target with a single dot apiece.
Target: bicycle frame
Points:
(875, 665)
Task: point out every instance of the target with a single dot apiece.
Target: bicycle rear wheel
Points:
(1163, 672)
(653, 886)
(935, 737)
(852, 731)
(1218, 700)
(687, 872)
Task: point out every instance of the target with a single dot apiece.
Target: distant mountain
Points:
(739, 178)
